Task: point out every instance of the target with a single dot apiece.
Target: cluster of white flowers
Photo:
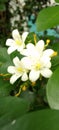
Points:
(36, 60)
(14, 7)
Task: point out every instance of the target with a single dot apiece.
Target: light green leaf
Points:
(39, 120)
(48, 18)
(52, 90)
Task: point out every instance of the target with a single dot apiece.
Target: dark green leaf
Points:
(2, 7)
(11, 108)
(5, 87)
(5, 60)
(39, 120)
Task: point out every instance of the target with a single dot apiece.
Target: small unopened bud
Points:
(24, 88)
(47, 41)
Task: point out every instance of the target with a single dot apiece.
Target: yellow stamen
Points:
(21, 88)
(35, 38)
(47, 42)
(54, 54)
(18, 93)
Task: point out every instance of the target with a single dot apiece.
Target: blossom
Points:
(17, 71)
(37, 60)
(17, 43)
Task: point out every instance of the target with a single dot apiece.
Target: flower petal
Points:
(16, 35)
(11, 69)
(16, 61)
(45, 61)
(30, 46)
(24, 35)
(48, 52)
(21, 47)
(24, 77)
(11, 49)
(10, 42)
(46, 72)
(34, 75)
(40, 45)
(26, 62)
(14, 78)
(32, 51)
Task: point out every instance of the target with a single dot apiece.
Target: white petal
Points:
(11, 49)
(11, 69)
(16, 35)
(21, 47)
(34, 75)
(16, 61)
(14, 78)
(24, 77)
(24, 35)
(48, 52)
(10, 42)
(32, 51)
(47, 64)
(46, 73)
(30, 46)
(45, 61)
(40, 45)
(26, 62)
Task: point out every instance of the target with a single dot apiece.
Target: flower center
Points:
(18, 42)
(20, 69)
(38, 66)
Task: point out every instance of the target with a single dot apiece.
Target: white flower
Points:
(37, 60)
(17, 43)
(17, 71)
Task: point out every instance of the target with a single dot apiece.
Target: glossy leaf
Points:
(39, 120)
(48, 18)
(52, 90)
(11, 108)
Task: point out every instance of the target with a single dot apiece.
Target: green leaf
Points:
(5, 60)
(5, 87)
(11, 108)
(48, 18)
(57, 0)
(2, 7)
(52, 90)
(3, 1)
(39, 120)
